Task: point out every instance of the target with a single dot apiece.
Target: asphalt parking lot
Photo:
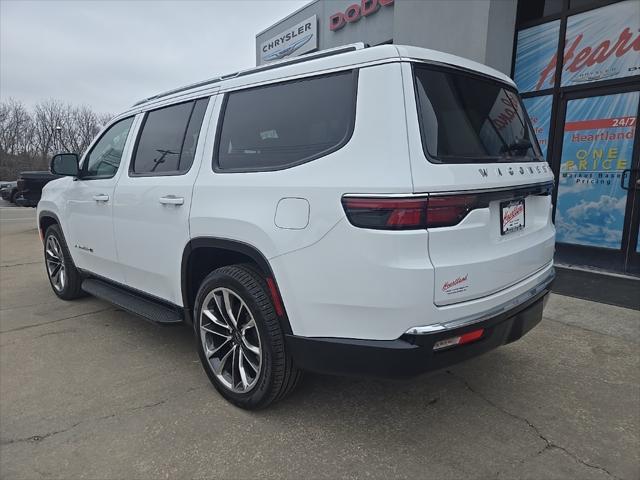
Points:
(89, 391)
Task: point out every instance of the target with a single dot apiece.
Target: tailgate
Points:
(507, 236)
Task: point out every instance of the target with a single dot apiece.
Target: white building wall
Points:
(481, 30)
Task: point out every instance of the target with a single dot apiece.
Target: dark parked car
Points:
(8, 191)
(30, 186)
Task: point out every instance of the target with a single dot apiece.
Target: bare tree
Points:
(15, 128)
(48, 119)
(29, 139)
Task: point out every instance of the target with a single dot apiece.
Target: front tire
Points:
(240, 342)
(63, 275)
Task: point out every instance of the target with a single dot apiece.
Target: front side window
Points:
(278, 126)
(104, 158)
(167, 142)
(470, 119)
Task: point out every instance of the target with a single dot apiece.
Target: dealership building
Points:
(577, 65)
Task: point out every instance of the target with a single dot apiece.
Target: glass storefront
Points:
(579, 72)
(535, 57)
(602, 44)
(596, 148)
(539, 110)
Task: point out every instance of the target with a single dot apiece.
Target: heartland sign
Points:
(355, 12)
(299, 39)
(581, 61)
(600, 44)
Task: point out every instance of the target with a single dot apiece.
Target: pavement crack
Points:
(39, 437)
(149, 405)
(55, 321)
(11, 265)
(57, 332)
(548, 444)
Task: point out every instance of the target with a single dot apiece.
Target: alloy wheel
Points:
(55, 263)
(230, 340)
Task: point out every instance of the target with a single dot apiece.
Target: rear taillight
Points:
(387, 213)
(447, 210)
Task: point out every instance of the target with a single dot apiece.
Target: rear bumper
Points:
(412, 354)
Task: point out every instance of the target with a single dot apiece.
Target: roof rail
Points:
(241, 73)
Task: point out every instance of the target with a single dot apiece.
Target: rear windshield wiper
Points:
(517, 146)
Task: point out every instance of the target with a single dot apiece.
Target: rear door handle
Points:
(101, 197)
(171, 200)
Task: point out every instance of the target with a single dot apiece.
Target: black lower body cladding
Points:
(412, 355)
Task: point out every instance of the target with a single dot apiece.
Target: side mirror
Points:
(65, 164)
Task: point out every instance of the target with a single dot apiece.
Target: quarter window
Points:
(167, 142)
(104, 158)
(278, 126)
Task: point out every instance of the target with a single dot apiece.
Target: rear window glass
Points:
(467, 119)
(168, 139)
(277, 126)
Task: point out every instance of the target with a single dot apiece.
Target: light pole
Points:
(58, 138)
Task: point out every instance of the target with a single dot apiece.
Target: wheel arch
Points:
(45, 220)
(209, 253)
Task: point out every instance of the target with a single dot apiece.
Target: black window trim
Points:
(566, 11)
(171, 173)
(347, 137)
(83, 167)
(456, 160)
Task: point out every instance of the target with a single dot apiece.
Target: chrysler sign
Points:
(294, 41)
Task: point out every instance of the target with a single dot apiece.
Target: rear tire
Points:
(63, 275)
(239, 339)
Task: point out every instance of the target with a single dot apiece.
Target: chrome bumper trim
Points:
(493, 312)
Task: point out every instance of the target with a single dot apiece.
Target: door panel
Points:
(151, 209)
(89, 203)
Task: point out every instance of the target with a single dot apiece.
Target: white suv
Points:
(369, 211)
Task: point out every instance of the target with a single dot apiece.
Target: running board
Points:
(146, 308)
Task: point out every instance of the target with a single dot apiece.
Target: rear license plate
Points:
(511, 216)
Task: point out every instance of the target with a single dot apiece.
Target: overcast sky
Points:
(108, 54)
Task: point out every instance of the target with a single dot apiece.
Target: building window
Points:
(536, 53)
(532, 10)
(602, 44)
(539, 111)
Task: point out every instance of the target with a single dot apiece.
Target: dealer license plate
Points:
(512, 216)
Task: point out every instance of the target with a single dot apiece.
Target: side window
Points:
(278, 126)
(167, 142)
(104, 158)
